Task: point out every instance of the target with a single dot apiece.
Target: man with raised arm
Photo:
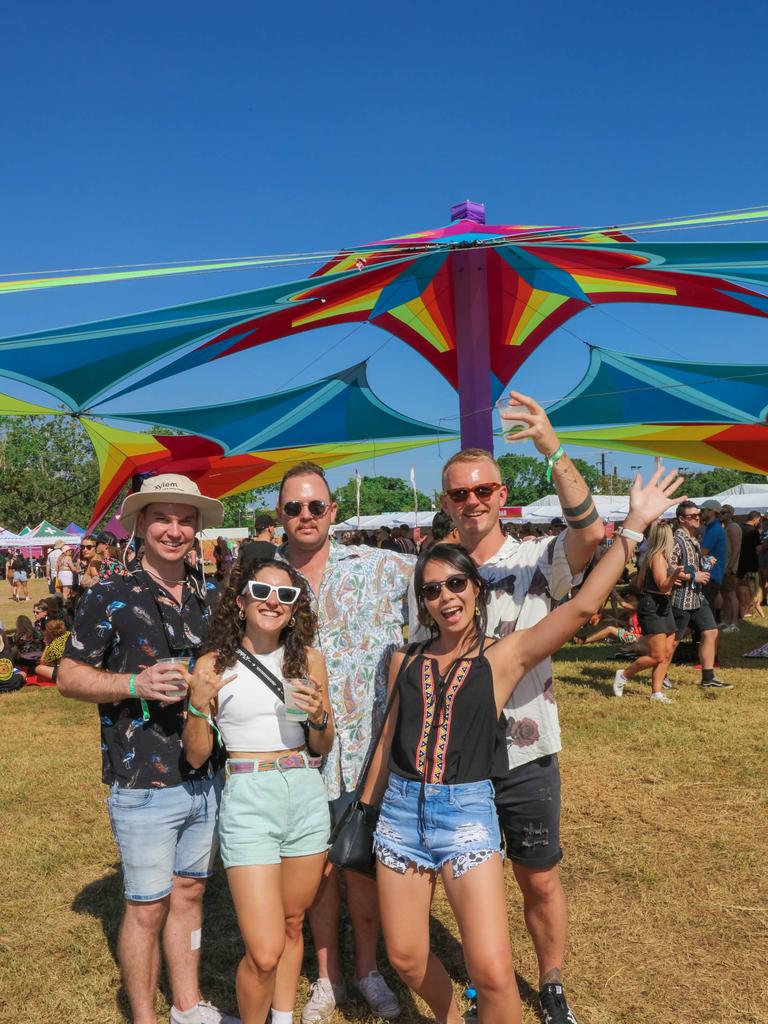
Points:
(359, 594)
(163, 812)
(524, 580)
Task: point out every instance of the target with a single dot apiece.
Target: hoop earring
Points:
(241, 615)
(477, 611)
(292, 621)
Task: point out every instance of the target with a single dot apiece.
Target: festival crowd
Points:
(321, 694)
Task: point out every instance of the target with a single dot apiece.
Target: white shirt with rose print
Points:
(524, 578)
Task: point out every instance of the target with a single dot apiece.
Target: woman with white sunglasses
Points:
(435, 763)
(274, 822)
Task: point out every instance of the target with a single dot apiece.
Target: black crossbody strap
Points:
(407, 659)
(268, 678)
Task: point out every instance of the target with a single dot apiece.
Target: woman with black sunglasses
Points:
(436, 759)
(274, 822)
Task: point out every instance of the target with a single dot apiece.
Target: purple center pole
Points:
(470, 291)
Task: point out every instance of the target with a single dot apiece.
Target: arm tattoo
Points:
(581, 524)
(578, 510)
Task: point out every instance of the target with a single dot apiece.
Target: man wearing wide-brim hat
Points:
(51, 563)
(163, 812)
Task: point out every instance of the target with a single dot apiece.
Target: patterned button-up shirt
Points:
(686, 553)
(361, 608)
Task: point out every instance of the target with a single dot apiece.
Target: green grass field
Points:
(665, 817)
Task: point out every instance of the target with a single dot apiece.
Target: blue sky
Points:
(182, 131)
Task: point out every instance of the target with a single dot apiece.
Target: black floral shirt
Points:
(686, 553)
(126, 624)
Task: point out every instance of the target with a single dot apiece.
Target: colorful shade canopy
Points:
(529, 281)
(626, 389)
(122, 454)
(730, 445)
(338, 408)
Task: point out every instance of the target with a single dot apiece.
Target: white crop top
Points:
(250, 716)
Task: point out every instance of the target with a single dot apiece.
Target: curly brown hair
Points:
(228, 628)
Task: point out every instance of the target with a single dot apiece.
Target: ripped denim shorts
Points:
(456, 824)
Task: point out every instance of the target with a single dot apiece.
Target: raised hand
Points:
(650, 501)
(205, 682)
(538, 429)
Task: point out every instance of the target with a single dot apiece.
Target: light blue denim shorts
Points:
(164, 832)
(456, 824)
(266, 816)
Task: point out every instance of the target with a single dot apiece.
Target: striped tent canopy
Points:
(123, 454)
(625, 389)
(533, 278)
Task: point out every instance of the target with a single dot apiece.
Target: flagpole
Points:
(357, 495)
(415, 500)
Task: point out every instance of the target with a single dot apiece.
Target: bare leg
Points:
(485, 938)
(660, 670)
(404, 902)
(324, 917)
(657, 655)
(364, 915)
(138, 951)
(707, 648)
(299, 879)
(184, 918)
(257, 896)
(546, 917)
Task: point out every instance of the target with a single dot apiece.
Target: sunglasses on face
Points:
(261, 591)
(455, 584)
(316, 508)
(694, 515)
(87, 547)
(481, 491)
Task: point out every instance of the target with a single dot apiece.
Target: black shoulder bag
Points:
(352, 836)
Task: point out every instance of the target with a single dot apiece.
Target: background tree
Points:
(378, 494)
(49, 471)
(240, 509)
(713, 481)
(526, 477)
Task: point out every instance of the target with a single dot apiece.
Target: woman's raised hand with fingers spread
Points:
(647, 502)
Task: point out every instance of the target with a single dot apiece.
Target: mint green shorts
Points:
(266, 816)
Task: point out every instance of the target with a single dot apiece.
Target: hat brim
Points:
(211, 511)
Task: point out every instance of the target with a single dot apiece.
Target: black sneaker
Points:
(715, 684)
(554, 1006)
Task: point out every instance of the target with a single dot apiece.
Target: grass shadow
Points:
(103, 899)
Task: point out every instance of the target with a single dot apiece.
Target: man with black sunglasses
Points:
(359, 594)
(163, 811)
(524, 580)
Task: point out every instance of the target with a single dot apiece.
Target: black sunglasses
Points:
(316, 507)
(455, 584)
(261, 591)
(482, 491)
(87, 547)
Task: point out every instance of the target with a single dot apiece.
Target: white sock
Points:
(187, 1016)
(282, 1016)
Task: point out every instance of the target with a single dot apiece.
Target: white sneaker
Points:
(661, 698)
(207, 1013)
(731, 628)
(323, 1000)
(667, 683)
(379, 996)
(619, 682)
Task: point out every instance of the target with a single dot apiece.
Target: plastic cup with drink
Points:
(509, 413)
(294, 712)
(180, 692)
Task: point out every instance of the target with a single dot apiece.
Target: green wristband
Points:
(132, 691)
(207, 718)
(552, 459)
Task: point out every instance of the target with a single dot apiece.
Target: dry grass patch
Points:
(664, 823)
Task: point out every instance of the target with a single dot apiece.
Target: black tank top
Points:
(446, 726)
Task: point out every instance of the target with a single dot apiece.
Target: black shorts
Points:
(528, 805)
(654, 613)
(711, 590)
(702, 618)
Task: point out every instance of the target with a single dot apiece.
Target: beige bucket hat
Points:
(174, 488)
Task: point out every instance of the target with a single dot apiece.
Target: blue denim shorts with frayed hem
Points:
(164, 832)
(456, 824)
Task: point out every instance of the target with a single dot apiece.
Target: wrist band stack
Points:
(552, 459)
(132, 691)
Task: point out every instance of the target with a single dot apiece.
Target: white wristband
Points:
(630, 534)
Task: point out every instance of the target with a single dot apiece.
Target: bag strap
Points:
(268, 678)
(408, 658)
